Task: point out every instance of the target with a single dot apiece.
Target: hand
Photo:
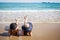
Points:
(17, 19)
(25, 17)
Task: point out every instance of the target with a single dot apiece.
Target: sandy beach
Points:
(41, 31)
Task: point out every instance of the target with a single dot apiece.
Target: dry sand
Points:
(41, 31)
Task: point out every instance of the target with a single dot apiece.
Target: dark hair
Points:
(13, 26)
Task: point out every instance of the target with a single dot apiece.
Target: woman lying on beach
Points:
(13, 30)
(27, 27)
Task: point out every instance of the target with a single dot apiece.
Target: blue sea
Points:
(28, 6)
(36, 12)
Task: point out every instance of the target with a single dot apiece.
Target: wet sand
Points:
(41, 31)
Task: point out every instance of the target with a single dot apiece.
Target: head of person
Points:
(13, 26)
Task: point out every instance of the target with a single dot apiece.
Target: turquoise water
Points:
(28, 6)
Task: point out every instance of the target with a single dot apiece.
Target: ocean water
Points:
(28, 6)
(40, 16)
(36, 12)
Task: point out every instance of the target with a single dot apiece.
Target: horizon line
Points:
(30, 2)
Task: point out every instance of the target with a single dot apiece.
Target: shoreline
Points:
(35, 16)
(28, 10)
(31, 22)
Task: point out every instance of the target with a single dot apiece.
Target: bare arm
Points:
(17, 20)
(25, 20)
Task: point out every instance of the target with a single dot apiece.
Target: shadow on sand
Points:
(6, 28)
(4, 34)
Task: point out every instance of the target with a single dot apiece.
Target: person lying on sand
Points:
(13, 30)
(27, 27)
